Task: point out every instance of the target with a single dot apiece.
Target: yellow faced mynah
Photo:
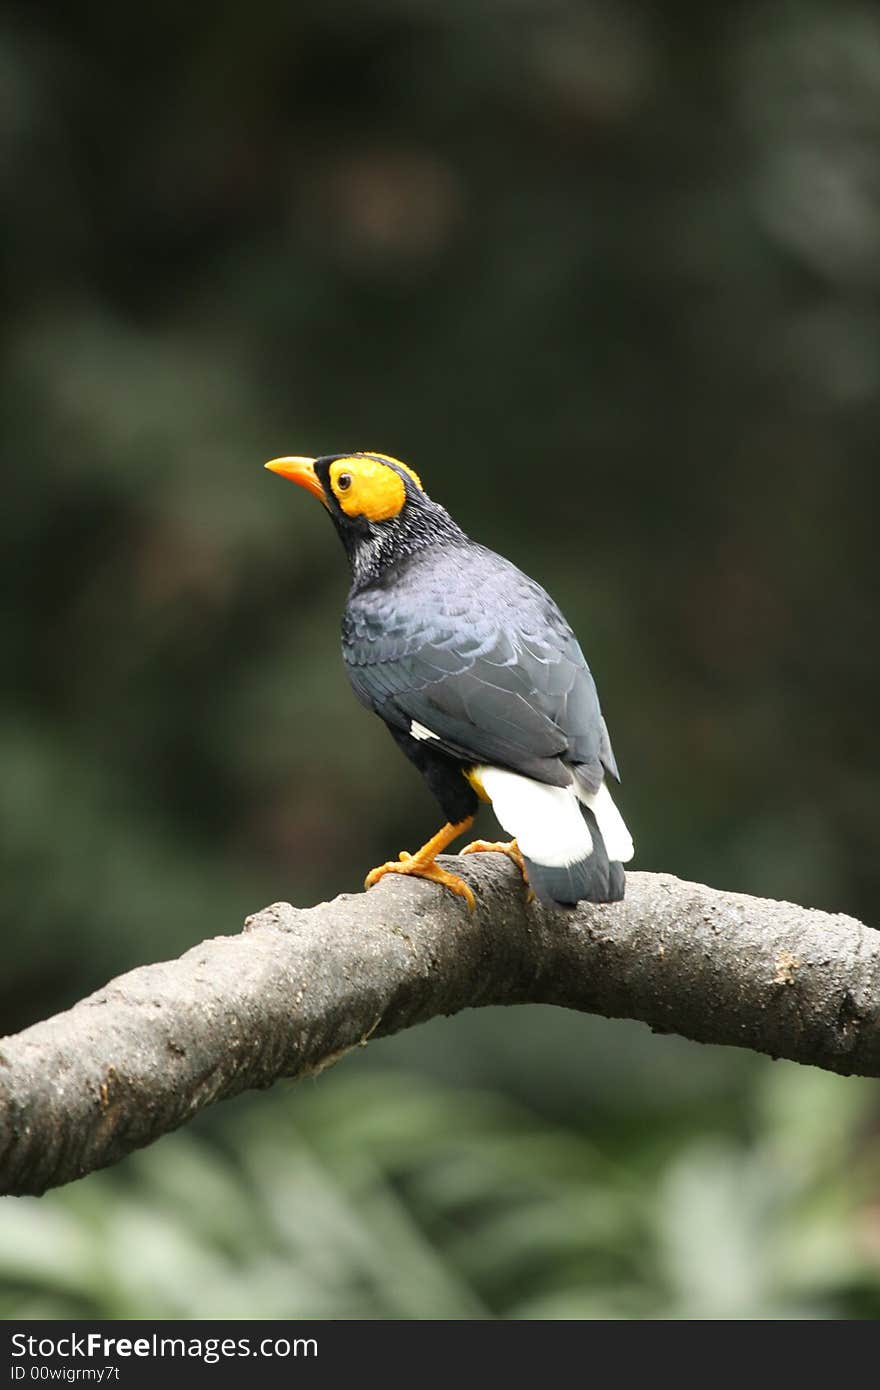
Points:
(479, 678)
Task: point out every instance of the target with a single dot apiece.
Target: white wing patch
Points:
(419, 731)
(545, 821)
(618, 840)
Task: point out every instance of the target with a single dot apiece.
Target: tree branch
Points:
(299, 988)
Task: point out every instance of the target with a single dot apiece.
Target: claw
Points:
(422, 865)
(430, 871)
(511, 849)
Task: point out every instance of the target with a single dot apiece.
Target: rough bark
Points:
(299, 988)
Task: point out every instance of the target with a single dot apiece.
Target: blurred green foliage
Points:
(608, 275)
(380, 1197)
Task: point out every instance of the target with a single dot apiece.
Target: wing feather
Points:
(467, 646)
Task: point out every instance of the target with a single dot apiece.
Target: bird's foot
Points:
(510, 848)
(408, 864)
(422, 864)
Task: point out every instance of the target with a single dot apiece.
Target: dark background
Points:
(608, 276)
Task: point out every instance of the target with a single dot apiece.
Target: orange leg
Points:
(511, 849)
(421, 864)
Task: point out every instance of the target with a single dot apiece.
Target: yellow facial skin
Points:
(365, 486)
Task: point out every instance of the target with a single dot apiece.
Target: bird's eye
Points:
(343, 482)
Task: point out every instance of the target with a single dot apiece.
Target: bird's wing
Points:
(494, 677)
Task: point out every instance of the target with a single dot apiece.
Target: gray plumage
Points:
(460, 640)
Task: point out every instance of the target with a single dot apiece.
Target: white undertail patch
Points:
(546, 822)
(618, 841)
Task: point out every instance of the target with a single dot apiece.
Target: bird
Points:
(480, 681)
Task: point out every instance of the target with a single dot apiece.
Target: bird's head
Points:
(377, 504)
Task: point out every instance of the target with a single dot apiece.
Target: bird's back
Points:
(457, 638)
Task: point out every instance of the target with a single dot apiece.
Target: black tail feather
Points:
(595, 879)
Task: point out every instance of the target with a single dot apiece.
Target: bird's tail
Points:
(593, 878)
(566, 835)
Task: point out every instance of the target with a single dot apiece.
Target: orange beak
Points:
(299, 470)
